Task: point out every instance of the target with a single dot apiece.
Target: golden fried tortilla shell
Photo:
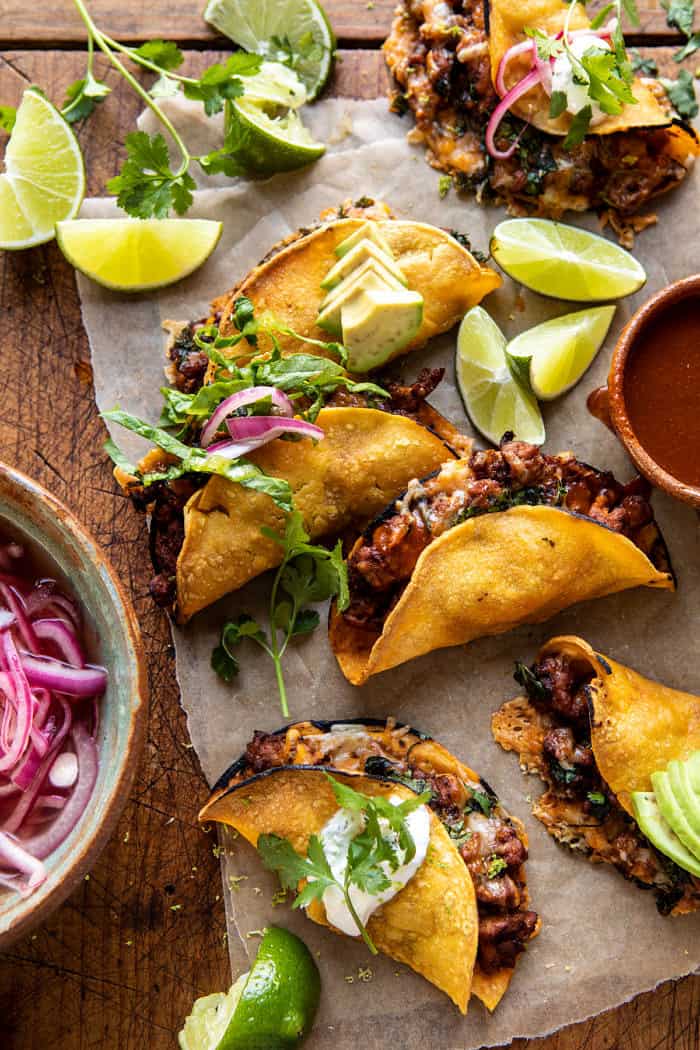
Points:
(289, 283)
(638, 726)
(491, 574)
(431, 925)
(507, 24)
(366, 459)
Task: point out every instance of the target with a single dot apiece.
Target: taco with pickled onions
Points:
(601, 737)
(508, 111)
(501, 538)
(462, 917)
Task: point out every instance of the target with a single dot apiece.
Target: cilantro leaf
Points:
(8, 115)
(305, 622)
(600, 18)
(579, 128)
(606, 86)
(146, 187)
(691, 46)
(530, 682)
(222, 81)
(647, 67)
(681, 93)
(162, 53)
(81, 98)
(279, 855)
(224, 663)
(681, 14)
(557, 103)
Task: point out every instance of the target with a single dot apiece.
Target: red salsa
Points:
(662, 390)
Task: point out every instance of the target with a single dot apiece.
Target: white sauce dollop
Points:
(563, 76)
(336, 836)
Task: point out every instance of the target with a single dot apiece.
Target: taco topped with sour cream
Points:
(504, 537)
(463, 919)
(600, 735)
(504, 108)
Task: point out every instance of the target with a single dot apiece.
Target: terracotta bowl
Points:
(608, 403)
(28, 512)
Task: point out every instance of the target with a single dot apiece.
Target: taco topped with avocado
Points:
(268, 408)
(620, 756)
(503, 537)
(464, 919)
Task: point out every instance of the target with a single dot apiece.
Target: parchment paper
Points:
(602, 940)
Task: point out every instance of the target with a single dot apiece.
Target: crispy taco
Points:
(501, 538)
(288, 283)
(205, 534)
(461, 67)
(598, 734)
(464, 917)
(365, 441)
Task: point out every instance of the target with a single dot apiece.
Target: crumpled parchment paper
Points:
(602, 940)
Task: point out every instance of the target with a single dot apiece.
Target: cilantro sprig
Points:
(368, 852)
(308, 574)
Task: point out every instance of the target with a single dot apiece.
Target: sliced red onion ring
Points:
(512, 52)
(23, 710)
(54, 674)
(240, 400)
(65, 640)
(15, 856)
(511, 97)
(25, 805)
(45, 842)
(15, 603)
(265, 428)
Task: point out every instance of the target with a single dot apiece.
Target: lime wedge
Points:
(44, 177)
(277, 84)
(565, 262)
(554, 355)
(295, 31)
(266, 143)
(495, 400)
(134, 255)
(271, 1008)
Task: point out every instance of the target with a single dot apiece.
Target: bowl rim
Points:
(126, 763)
(619, 417)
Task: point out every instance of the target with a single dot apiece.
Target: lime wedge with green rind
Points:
(44, 177)
(271, 1008)
(277, 84)
(135, 255)
(552, 357)
(281, 30)
(565, 262)
(495, 400)
(266, 143)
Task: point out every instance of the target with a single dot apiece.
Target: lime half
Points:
(565, 262)
(44, 177)
(495, 400)
(554, 355)
(134, 255)
(271, 1008)
(293, 31)
(266, 143)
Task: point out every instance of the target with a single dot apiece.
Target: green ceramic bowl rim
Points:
(35, 514)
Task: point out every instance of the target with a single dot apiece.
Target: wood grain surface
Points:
(118, 965)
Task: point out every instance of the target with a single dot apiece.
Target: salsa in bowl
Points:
(72, 702)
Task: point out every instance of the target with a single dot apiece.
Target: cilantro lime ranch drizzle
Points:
(336, 836)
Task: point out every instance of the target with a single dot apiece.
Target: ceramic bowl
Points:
(608, 403)
(28, 512)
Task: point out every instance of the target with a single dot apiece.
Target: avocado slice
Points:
(365, 249)
(377, 324)
(688, 779)
(370, 275)
(672, 811)
(648, 816)
(371, 231)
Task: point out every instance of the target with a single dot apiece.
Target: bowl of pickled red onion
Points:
(73, 699)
